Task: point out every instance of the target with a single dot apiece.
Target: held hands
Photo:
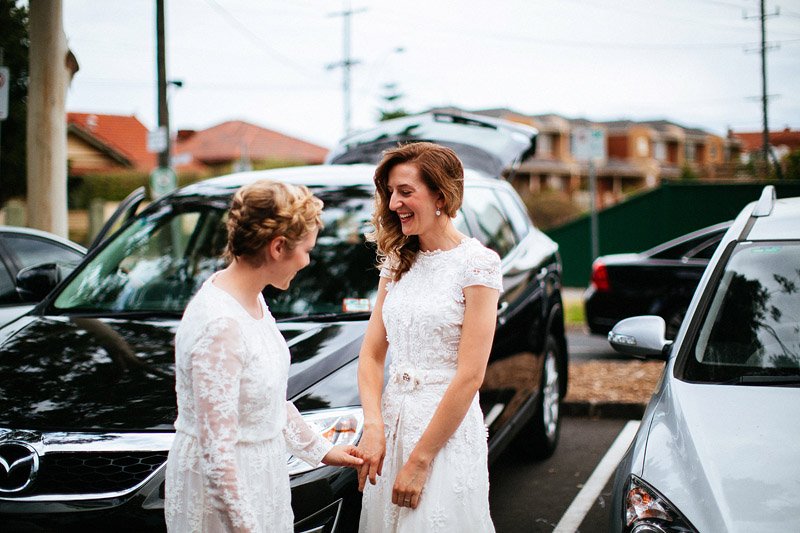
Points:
(372, 448)
(409, 483)
(343, 455)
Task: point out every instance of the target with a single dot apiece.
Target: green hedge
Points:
(114, 187)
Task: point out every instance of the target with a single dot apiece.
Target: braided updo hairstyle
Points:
(264, 210)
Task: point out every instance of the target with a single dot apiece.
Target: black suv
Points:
(88, 400)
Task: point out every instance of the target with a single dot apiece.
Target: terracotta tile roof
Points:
(125, 135)
(227, 141)
(753, 141)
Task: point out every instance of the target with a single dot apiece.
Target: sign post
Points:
(5, 81)
(589, 144)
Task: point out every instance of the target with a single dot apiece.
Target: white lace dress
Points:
(227, 469)
(423, 314)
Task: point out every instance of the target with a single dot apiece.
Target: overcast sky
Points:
(695, 62)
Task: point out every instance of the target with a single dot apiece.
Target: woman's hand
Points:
(410, 482)
(343, 455)
(372, 449)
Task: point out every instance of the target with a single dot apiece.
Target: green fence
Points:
(653, 217)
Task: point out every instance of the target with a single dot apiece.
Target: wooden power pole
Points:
(51, 69)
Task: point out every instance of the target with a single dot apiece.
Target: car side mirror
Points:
(35, 282)
(640, 336)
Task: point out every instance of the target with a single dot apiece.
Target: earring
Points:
(438, 211)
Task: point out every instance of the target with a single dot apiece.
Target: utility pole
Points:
(163, 110)
(764, 96)
(346, 62)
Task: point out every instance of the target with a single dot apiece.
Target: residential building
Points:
(238, 145)
(98, 143)
(638, 154)
(783, 142)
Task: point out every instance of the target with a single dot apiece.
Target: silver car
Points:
(718, 448)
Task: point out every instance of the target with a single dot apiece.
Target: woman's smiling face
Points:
(411, 199)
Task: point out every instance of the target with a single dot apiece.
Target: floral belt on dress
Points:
(410, 379)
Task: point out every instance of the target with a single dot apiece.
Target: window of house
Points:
(544, 145)
(690, 151)
(642, 147)
(660, 151)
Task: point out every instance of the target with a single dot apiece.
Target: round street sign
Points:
(162, 181)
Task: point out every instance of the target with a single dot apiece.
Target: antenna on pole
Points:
(346, 61)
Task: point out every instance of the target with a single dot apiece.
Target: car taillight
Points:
(600, 276)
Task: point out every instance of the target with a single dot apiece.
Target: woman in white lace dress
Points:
(227, 469)
(424, 443)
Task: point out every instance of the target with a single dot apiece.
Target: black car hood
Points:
(482, 143)
(81, 373)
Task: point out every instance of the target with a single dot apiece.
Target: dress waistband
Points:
(411, 378)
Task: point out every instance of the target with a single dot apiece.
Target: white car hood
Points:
(728, 456)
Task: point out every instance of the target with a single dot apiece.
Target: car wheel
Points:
(540, 442)
(673, 320)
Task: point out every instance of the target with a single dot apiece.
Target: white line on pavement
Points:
(585, 499)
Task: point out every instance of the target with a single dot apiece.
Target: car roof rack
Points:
(766, 202)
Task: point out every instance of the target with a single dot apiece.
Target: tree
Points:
(392, 108)
(15, 45)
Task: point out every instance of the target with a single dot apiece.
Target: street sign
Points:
(162, 181)
(157, 140)
(588, 144)
(5, 81)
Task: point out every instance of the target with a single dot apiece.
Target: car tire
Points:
(541, 439)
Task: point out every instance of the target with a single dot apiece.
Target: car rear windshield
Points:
(157, 263)
(751, 329)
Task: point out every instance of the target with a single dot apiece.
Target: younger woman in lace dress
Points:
(227, 469)
(424, 442)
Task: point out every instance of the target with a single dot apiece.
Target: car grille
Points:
(94, 473)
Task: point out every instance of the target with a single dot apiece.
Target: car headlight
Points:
(340, 426)
(647, 511)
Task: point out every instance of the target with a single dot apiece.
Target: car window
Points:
(29, 251)
(680, 249)
(155, 264)
(158, 262)
(751, 326)
(706, 249)
(492, 227)
(518, 218)
(8, 292)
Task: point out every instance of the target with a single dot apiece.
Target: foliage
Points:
(392, 108)
(792, 165)
(113, 187)
(687, 173)
(550, 208)
(15, 44)
(267, 164)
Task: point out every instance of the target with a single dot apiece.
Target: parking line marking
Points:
(583, 502)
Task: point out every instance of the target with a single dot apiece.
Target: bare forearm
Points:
(370, 386)
(447, 418)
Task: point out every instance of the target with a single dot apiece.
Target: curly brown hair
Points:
(441, 171)
(264, 210)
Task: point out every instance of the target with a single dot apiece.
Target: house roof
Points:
(753, 141)
(122, 137)
(234, 139)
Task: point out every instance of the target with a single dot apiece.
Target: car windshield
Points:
(156, 264)
(752, 327)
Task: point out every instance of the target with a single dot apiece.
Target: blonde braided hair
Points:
(265, 210)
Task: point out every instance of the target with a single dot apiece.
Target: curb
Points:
(629, 411)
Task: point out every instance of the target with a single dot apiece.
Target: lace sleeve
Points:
(302, 440)
(387, 268)
(483, 268)
(217, 360)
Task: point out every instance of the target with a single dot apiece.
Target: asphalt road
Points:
(583, 346)
(532, 497)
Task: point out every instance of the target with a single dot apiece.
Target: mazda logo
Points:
(19, 464)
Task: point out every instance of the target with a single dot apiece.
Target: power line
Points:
(233, 21)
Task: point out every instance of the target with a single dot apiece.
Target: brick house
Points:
(238, 145)
(639, 154)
